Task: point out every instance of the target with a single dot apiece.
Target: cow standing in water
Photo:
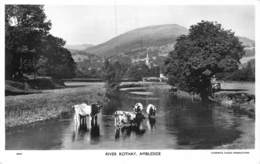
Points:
(139, 116)
(82, 111)
(151, 111)
(138, 108)
(126, 122)
(124, 118)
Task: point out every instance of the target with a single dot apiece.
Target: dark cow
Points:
(151, 110)
(138, 108)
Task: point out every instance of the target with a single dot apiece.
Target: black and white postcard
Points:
(133, 81)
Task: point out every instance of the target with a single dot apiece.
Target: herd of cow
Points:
(135, 117)
(121, 118)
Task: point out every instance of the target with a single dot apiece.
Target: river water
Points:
(180, 124)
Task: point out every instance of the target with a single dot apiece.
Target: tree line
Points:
(245, 73)
(29, 47)
(132, 71)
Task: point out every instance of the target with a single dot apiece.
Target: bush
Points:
(247, 73)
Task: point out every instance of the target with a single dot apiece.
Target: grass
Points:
(31, 85)
(17, 88)
(25, 109)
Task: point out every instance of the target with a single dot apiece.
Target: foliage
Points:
(25, 25)
(246, 73)
(137, 71)
(112, 74)
(207, 49)
(29, 45)
(140, 70)
(88, 65)
(55, 60)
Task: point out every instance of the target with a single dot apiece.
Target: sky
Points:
(92, 24)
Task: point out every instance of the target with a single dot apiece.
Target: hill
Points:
(159, 39)
(78, 46)
(151, 36)
(247, 42)
(80, 55)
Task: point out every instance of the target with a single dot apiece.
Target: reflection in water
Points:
(44, 135)
(179, 124)
(126, 132)
(94, 133)
(113, 103)
(150, 123)
(199, 126)
(82, 132)
(95, 130)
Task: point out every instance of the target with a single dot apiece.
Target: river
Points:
(179, 124)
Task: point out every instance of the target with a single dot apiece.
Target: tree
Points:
(113, 72)
(112, 75)
(29, 46)
(55, 60)
(138, 71)
(24, 26)
(206, 50)
(246, 73)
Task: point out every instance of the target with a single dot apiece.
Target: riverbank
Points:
(240, 102)
(153, 89)
(27, 109)
(239, 96)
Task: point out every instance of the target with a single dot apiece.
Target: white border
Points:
(87, 156)
(2, 69)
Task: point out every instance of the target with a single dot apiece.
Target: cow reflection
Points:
(95, 130)
(127, 131)
(150, 122)
(82, 133)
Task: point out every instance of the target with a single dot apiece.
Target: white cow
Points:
(81, 112)
(124, 118)
(138, 108)
(151, 110)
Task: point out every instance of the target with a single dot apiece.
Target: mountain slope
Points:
(139, 38)
(247, 42)
(78, 46)
(146, 37)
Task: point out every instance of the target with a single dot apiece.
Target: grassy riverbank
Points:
(26, 109)
(238, 95)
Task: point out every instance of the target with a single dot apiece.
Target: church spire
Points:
(147, 61)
